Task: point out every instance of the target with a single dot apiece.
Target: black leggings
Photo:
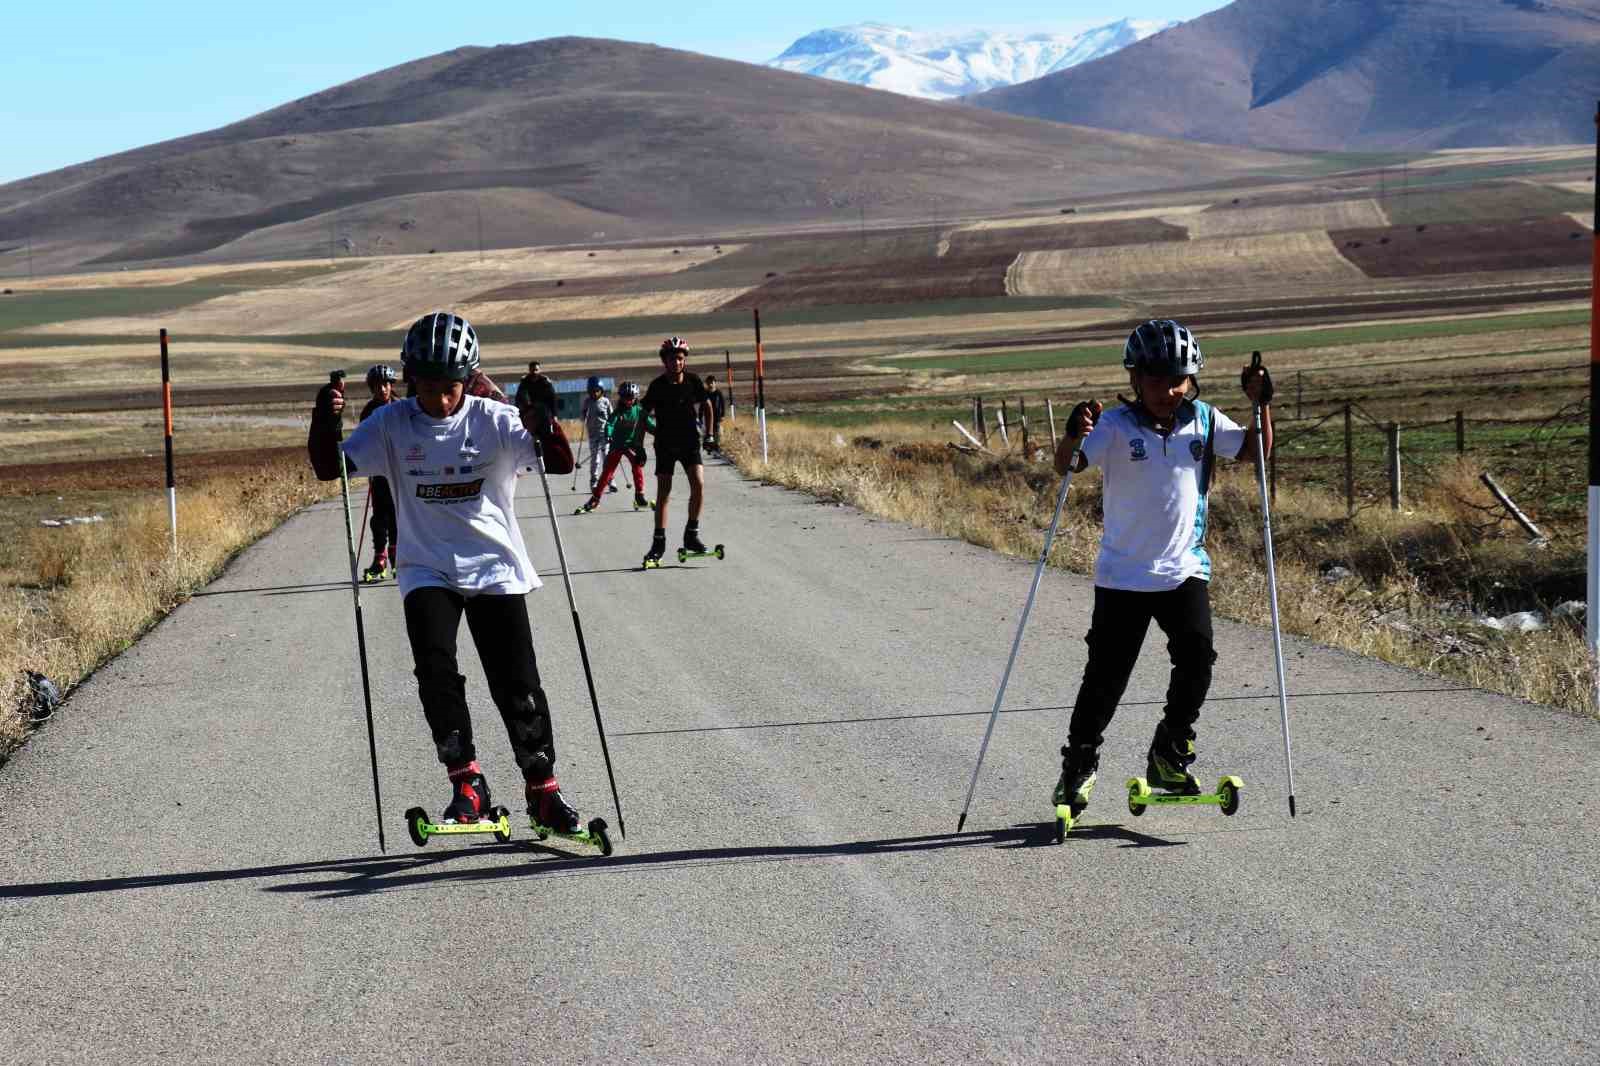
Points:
(499, 627)
(384, 530)
(1116, 633)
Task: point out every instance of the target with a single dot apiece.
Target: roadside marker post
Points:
(761, 387)
(1591, 621)
(733, 400)
(166, 415)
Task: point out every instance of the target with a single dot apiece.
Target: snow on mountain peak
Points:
(940, 65)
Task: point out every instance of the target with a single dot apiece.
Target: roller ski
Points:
(642, 504)
(1079, 768)
(658, 548)
(550, 815)
(379, 570)
(694, 549)
(468, 814)
(588, 507)
(1168, 782)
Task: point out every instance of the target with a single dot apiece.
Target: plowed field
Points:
(1464, 247)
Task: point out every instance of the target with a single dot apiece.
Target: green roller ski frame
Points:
(1066, 818)
(1141, 796)
(715, 553)
(594, 834)
(422, 827)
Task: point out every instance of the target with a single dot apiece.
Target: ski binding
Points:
(684, 554)
(1226, 796)
(594, 834)
(421, 827)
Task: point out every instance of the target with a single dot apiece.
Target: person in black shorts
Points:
(677, 399)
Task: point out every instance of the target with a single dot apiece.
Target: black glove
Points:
(1084, 412)
(638, 455)
(1266, 381)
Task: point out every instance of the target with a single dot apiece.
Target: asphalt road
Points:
(193, 871)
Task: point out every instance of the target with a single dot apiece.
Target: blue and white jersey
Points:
(1155, 524)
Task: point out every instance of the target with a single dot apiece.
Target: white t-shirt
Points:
(1155, 523)
(454, 482)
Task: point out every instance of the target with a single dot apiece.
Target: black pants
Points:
(499, 627)
(384, 530)
(1116, 633)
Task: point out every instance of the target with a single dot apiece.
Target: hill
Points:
(1343, 74)
(562, 140)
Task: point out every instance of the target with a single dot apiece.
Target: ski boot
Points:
(550, 815)
(611, 487)
(590, 506)
(1079, 766)
(658, 548)
(468, 812)
(642, 504)
(1168, 780)
(378, 570)
(693, 548)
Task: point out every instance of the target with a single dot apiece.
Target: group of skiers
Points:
(444, 461)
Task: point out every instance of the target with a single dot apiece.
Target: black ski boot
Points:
(691, 539)
(642, 504)
(471, 801)
(548, 810)
(1169, 762)
(658, 548)
(379, 568)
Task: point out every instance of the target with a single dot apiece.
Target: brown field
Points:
(1089, 215)
(620, 305)
(1016, 240)
(1229, 221)
(1461, 247)
(1269, 262)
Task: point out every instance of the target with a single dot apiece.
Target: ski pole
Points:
(583, 651)
(577, 461)
(1022, 623)
(361, 645)
(1272, 586)
(361, 530)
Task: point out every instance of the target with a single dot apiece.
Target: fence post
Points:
(1022, 413)
(1005, 434)
(1394, 466)
(1461, 434)
(1050, 413)
(1299, 393)
(1349, 467)
(979, 418)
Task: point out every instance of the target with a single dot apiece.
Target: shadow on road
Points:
(279, 590)
(339, 878)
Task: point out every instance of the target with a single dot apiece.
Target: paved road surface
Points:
(193, 869)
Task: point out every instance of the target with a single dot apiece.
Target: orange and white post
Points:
(166, 415)
(1593, 623)
(761, 387)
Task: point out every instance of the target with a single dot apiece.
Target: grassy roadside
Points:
(1415, 579)
(73, 597)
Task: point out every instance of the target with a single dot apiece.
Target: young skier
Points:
(624, 439)
(675, 400)
(718, 409)
(596, 413)
(385, 533)
(1156, 453)
(453, 458)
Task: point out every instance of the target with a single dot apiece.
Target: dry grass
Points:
(1282, 218)
(1407, 602)
(1178, 214)
(1261, 263)
(610, 305)
(73, 597)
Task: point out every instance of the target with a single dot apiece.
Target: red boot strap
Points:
(544, 786)
(470, 768)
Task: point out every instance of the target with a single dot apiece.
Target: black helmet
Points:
(628, 391)
(440, 345)
(594, 383)
(1162, 346)
(672, 345)
(379, 373)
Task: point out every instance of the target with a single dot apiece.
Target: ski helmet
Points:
(441, 345)
(379, 373)
(594, 383)
(1162, 346)
(628, 391)
(673, 345)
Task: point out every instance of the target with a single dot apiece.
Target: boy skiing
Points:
(718, 409)
(385, 533)
(596, 413)
(452, 458)
(1156, 453)
(675, 400)
(624, 439)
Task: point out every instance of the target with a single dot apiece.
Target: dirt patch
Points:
(1014, 240)
(1087, 216)
(1264, 262)
(934, 278)
(1463, 247)
(1252, 221)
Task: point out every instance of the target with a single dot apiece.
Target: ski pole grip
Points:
(1255, 360)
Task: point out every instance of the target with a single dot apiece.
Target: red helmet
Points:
(672, 345)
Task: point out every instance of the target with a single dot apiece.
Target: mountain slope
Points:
(559, 140)
(941, 66)
(1344, 74)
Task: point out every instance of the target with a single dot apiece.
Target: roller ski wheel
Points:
(684, 554)
(375, 573)
(593, 835)
(421, 827)
(1226, 797)
(642, 504)
(1067, 816)
(586, 508)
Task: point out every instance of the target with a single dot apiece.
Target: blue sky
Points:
(83, 80)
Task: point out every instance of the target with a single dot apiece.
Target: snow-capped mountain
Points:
(938, 66)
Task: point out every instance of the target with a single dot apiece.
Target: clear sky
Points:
(82, 80)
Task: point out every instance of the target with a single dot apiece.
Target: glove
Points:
(1256, 369)
(638, 455)
(1081, 421)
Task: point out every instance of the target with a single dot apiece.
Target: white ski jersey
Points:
(455, 487)
(1155, 516)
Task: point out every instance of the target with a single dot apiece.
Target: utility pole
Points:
(478, 203)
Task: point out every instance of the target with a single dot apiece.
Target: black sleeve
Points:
(651, 396)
